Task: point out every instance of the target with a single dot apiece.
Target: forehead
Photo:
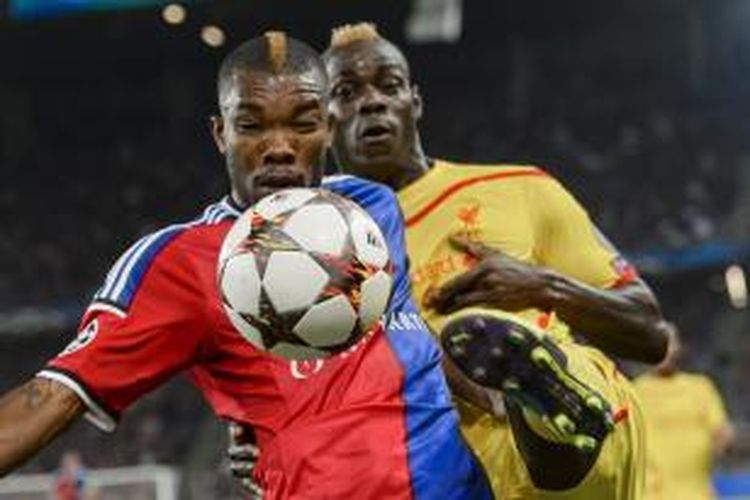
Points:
(259, 86)
(366, 56)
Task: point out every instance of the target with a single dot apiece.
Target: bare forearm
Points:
(31, 416)
(626, 322)
(723, 439)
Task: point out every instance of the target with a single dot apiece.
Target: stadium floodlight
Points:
(435, 21)
(736, 286)
(213, 36)
(174, 13)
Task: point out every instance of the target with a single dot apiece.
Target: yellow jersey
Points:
(682, 412)
(520, 210)
(527, 214)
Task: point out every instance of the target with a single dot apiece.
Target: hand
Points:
(498, 280)
(243, 456)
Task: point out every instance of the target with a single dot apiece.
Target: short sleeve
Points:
(569, 242)
(124, 350)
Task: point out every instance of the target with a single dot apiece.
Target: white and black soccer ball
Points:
(305, 273)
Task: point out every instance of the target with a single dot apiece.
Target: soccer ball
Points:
(305, 273)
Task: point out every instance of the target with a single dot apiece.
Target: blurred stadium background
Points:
(641, 107)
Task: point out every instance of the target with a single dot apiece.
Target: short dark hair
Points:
(274, 53)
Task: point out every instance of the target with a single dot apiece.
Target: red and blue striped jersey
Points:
(375, 422)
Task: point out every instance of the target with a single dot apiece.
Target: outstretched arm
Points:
(624, 321)
(31, 416)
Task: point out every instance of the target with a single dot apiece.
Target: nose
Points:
(278, 150)
(373, 101)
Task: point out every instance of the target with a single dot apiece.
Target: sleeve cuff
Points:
(96, 412)
(625, 276)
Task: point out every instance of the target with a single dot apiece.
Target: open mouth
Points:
(375, 132)
(280, 180)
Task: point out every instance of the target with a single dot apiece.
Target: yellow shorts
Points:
(619, 472)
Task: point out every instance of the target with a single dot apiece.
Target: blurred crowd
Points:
(162, 428)
(655, 167)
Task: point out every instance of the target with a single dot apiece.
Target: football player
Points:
(505, 263)
(377, 423)
(688, 428)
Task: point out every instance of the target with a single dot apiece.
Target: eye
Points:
(305, 126)
(343, 90)
(391, 84)
(307, 122)
(248, 127)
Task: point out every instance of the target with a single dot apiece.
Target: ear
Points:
(217, 131)
(416, 98)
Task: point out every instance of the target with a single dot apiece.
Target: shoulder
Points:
(153, 244)
(699, 380)
(495, 169)
(491, 175)
(352, 186)
(368, 194)
(535, 182)
(159, 248)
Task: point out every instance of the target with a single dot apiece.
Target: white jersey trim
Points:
(95, 414)
(101, 306)
(137, 258)
(336, 178)
(227, 206)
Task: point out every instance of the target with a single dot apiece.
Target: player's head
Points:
(273, 126)
(71, 462)
(671, 362)
(374, 104)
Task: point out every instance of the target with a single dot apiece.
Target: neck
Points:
(667, 372)
(236, 200)
(411, 168)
